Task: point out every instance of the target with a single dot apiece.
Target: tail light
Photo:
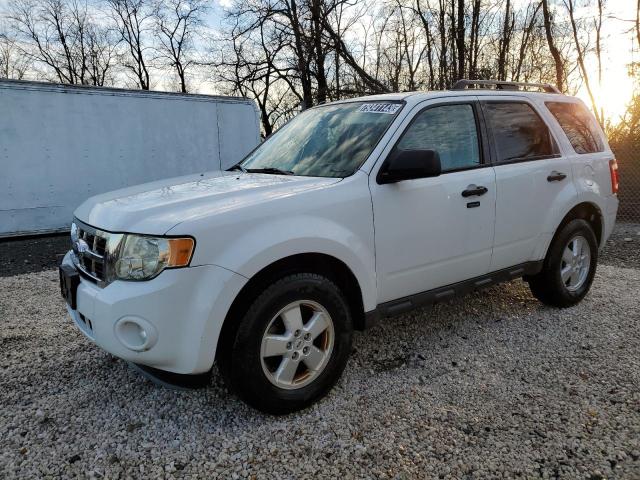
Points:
(613, 168)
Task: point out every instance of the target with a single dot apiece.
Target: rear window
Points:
(579, 126)
(518, 132)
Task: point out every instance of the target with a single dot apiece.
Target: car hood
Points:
(154, 208)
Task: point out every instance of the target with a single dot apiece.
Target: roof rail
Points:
(504, 85)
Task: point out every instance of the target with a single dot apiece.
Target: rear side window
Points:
(448, 129)
(518, 132)
(579, 126)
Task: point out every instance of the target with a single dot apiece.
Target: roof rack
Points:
(504, 85)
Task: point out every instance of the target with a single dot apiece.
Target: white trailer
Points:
(60, 144)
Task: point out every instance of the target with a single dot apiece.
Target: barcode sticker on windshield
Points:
(390, 108)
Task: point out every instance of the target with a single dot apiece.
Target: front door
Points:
(433, 232)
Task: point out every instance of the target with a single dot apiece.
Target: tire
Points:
(562, 283)
(259, 369)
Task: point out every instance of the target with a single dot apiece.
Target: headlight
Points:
(142, 258)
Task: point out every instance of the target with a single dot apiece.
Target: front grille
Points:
(90, 252)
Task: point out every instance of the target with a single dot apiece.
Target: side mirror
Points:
(409, 165)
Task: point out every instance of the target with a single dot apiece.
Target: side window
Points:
(579, 126)
(448, 129)
(518, 132)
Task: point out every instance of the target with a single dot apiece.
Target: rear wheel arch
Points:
(318, 263)
(589, 212)
(569, 267)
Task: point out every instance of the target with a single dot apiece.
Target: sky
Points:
(619, 50)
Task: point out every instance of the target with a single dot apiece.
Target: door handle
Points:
(556, 176)
(476, 190)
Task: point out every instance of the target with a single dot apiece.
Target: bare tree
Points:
(134, 20)
(371, 83)
(580, 56)
(474, 44)
(249, 65)
(343, 18)
(460, 40)
(96, 46)
(638, 23)
(178, 24)
(505, 41)
(13, 63)
(45, 28)
(317, 13)
(598, 27)
(529, 25)
(302, 55)
(444, 43)
(555, 53)
(287, 17)
(321, 53)
(63, 37)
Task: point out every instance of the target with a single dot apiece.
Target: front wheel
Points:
(569, 267)
(291, 345)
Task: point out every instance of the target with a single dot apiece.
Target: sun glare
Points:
(616, 90)
(612, 96)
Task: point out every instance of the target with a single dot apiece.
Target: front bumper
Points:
(171, 322)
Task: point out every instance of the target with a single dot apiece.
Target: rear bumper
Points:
(171, 322)
(609, 218)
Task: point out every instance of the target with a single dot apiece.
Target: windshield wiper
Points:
(272, 170)
(238, 166)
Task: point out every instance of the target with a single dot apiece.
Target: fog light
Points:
(136, 333)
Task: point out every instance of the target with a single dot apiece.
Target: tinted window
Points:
(518, 132)
(450, 130)
(579, 125)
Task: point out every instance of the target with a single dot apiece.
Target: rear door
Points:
(532, 179)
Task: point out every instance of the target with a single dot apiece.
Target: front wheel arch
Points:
(318, 263)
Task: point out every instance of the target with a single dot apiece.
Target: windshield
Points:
(326, 141)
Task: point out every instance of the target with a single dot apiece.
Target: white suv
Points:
(353, 211)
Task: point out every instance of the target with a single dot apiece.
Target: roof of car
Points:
(417, 97)
(481, 88)
(425, 95)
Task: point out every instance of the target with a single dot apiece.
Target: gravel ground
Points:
(623, 246)
(491, 385)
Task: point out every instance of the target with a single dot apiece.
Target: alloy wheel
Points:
(297, 344)
(575, 263)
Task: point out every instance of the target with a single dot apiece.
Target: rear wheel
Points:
(569, 267)
(291, 345)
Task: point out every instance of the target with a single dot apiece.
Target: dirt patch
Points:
(34, 254)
